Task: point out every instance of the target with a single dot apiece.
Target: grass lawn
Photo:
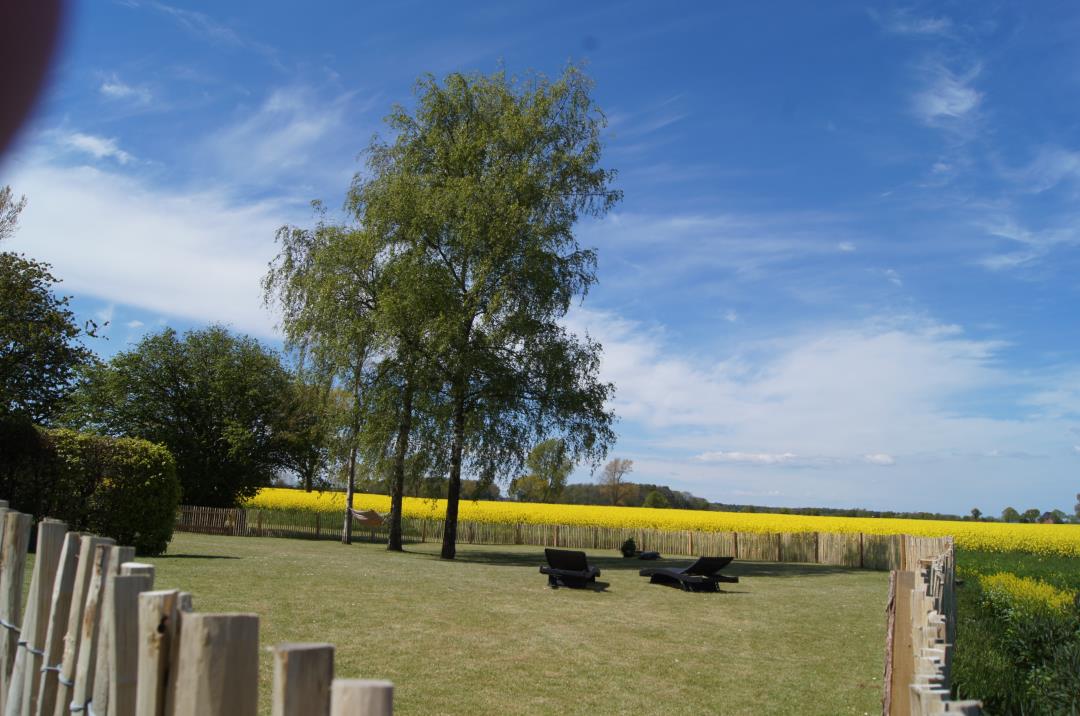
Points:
(484, 634)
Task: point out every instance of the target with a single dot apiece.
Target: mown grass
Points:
(484, 634)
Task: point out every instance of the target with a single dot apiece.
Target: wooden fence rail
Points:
(96, 640)
(859, 550)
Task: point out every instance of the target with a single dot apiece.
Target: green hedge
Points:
(122, 488)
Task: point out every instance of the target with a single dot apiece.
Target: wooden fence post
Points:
(42, 700)
(129, 569)
(361, 697)
(122, 660)
(302, 677)
(100, 692)
(65, 679)
(183, 608)
(16, 536)
(157, 632)
(86, 664)
(217, 669)
(50, 542)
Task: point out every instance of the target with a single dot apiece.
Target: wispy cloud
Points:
(890, 393)
(752, 458)
(194, 255)
(114, 88)
(95, 146)
(1051, 166)
(205, 27)
(1035, 245)
(905, 21)
(282, 134)
(948, 97)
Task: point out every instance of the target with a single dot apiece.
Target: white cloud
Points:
(283, 135)
(948, 96)
(905, 22)
(731, 315)
(113, 88)
(845, 247)
(133, 324)
(1051, 166)
(1036, 244)
(894, 277)
(97, 147)
(812, 411)
(753, 458)
(189, 254)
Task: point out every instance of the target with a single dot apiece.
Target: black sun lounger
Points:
(701, 576)
(567, 567)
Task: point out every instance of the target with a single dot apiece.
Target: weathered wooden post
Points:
(42, 700)
(100, 693)
(86, 663)
(217, 669)
(302, 677)
(157, 633)
(361, 697)
(16, 536)
(90, 547)
(123, 657)
(50, 543)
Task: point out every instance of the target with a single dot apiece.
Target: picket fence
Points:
(97, 639)
(921, 633)
(868, 551)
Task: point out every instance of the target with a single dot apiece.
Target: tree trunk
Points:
(453, 493)
(401, 450)
(346, 530)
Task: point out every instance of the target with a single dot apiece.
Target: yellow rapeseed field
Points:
(988, 536)
(1027, 593)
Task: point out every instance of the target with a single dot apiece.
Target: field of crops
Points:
(983, 536)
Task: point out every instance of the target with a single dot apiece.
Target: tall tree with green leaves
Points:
(548, 467)
(40, 348)
(482, 186)
(221, 403)
(343, 295)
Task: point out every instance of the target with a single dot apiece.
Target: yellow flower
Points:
(986, 536)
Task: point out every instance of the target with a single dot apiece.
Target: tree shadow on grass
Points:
(196, 556)
(493, 557)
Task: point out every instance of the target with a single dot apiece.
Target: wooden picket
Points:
(95, 640)
(921, 632)
(869, 551)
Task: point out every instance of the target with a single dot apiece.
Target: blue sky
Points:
(843, 272)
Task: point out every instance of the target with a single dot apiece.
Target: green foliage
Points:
(118, 487)
(440, 306)
(1031, 515)
(549, 465)
(655, 498)
(222, 404)
(1009, 514)
(39, 348)
(1016, 655)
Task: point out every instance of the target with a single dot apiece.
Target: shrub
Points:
(1018, 645)
(122, 488)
